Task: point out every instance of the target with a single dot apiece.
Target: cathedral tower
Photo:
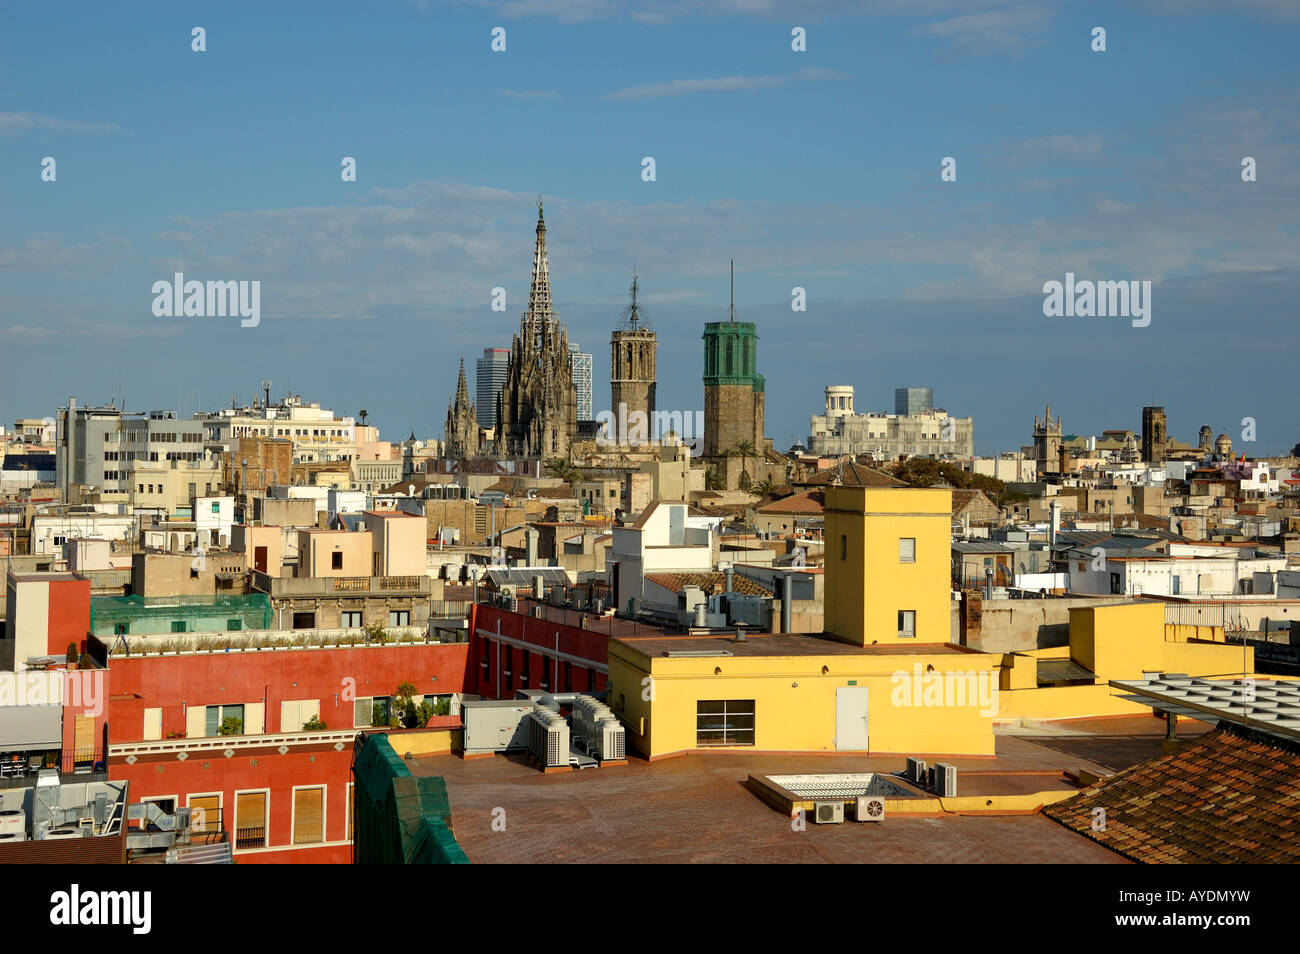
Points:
(539, 403)
(633, 349)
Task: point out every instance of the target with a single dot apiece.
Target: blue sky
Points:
(817, 169)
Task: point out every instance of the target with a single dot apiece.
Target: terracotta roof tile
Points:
(709, 583)
(1228, 797)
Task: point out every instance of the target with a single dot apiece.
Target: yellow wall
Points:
(1118, 641)
(866, 584)
(795, 702)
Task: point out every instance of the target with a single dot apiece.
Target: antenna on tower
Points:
(731, 311)
(266, 389)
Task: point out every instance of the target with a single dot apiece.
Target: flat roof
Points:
(696, 808)
(779, 644)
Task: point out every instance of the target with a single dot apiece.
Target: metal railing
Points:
(251, 837)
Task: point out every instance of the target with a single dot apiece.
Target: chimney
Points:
(1055, 526)
(728, 574)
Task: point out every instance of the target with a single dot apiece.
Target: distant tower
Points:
(1223, 445)
(461, 429)
(490, 381)
(734, 391)
(633, 352)
(908, 402)
(1153, 435)
(1206, 442)
(580, 361)
(839, 400)
(1047, 443)
(539, 404)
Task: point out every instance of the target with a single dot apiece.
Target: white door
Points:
(851, 718)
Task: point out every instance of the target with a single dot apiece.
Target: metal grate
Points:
(840, 786)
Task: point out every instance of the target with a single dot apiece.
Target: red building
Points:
(280, 791)
(510, 651)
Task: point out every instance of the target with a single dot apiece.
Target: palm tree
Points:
(563, 469)
(743, 450)
(363, 414)
(713, 480)
(765, 487)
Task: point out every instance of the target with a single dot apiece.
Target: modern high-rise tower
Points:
(734, 391)
(581, 362)
(633, 351)
(910, 402)
(489, 382)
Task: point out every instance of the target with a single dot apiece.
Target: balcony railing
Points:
(288, 587)
(263, 640)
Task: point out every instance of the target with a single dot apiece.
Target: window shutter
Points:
(152, 725)
(196, 722)
(205, 813)
(254, 718)
(308, 816)
(250, 820)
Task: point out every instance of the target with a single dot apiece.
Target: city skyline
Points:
(763, 154)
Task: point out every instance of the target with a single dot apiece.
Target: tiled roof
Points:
(709, 583)
(961, 499)
(809, 501)
(855, 475)
(1228, 797)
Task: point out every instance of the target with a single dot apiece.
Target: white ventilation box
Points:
(828, 813)
(916, 770)
(13, 822)
(548, 737)
(871, 808)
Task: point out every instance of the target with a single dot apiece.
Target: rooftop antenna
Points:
(266, 389)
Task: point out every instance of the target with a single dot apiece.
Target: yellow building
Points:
(779, 693)
(884, 677)
(887, 564)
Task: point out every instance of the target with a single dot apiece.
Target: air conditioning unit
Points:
(548, 737)
(916, 770)
(871, 808)
(828, 813)
(13, 821)
(507, 589)
(945, 780)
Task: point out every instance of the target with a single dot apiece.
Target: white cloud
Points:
(994, 31)
(15, 124)
(722, 84)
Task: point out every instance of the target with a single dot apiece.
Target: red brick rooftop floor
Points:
(695, 808)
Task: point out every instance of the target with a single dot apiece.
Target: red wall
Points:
(274, 676)
(207, 772)
(243, 677)
(583, 643)
(69, 615)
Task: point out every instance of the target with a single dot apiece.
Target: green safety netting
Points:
(145, 615)
(398, 818)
